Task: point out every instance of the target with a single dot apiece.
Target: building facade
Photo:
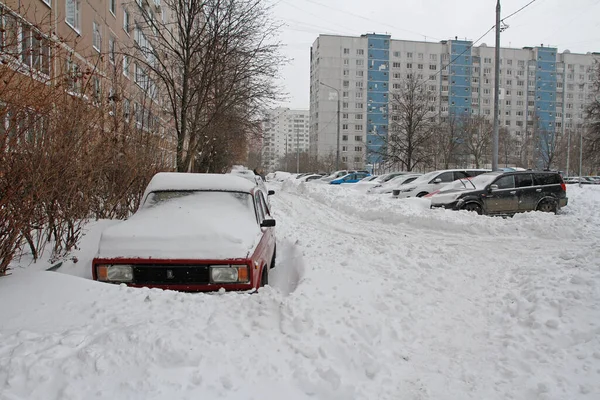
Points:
(285, 132)
(90, 48)
(540, 88)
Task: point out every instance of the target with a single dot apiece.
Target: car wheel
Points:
(274, 257)
(546, 206)
(473, 207)
(422, 194)
(264, 279)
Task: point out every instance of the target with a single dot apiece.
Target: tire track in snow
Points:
(445, 296)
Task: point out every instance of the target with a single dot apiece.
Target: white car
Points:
(435, 180)
(310, 177)
(393, 184)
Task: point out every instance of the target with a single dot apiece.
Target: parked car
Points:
(192, 232)
(506, 193)
(350, 178)
(335, 175)
(394, 183)
(310, 177)
(435, 180)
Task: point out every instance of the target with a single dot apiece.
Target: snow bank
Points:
(576, 221)
(372, 298)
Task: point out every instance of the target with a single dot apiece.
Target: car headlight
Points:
(115, 273)
(229, 274)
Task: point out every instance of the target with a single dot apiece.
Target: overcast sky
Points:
(566, 24)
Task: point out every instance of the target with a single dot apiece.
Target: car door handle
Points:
(513, 192)
(538, 190)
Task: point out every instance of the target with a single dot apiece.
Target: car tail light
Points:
(563, 186)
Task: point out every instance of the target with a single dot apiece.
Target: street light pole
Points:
(568, 153)
(297, 150)
(496, 92)
(580, 155)
(337, 150)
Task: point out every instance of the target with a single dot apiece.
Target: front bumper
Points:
(186, 275)
(448, 206)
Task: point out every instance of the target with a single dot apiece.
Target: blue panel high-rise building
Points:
(377, 95)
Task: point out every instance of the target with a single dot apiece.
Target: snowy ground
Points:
(372, 298)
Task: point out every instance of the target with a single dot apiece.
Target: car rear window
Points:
(546, 179)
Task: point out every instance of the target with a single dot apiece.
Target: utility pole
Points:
(297, 150)
(580, 155)
(496, 92)
(568, 153)
(337, 150)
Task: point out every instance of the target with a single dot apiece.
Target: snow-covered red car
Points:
(192, 232)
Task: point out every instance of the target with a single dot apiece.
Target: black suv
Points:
(505, 193)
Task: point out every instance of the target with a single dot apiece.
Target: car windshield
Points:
(481, 181)
(201, 199)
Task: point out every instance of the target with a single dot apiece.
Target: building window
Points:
(112, 6)
(346, 51)
(111, 49)
(73, 14)
(126, 110)
(97, 38)
(360, 52)
(35, 49)
(345, 148)
(409, 55)
(409, 65)
(345, 138)
(360, 63)
(126, 66)
(359, 105)
(126, 21)
(357, 148)
(358, 127)
(345, 127)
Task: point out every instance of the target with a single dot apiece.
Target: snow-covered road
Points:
(372, 298)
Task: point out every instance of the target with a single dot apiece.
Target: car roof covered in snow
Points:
(166, 181)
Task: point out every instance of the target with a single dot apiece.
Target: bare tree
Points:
(476, 133)
(446, 142)
(412, 127)
(507, 147)
(592, 121)
(214, 59)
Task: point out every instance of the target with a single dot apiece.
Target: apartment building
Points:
(285, 131)
(537, 85)
(94, 39)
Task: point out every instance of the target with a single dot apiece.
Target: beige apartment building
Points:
(94, 43)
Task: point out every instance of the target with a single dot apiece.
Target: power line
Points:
(519, 10)
(369, 19)
(345, 28)
(458, 56)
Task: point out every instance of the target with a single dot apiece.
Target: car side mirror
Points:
(268, 223)
(437, 180)
(271, 192)
(493, 187)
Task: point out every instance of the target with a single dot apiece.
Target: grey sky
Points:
(566, 24)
